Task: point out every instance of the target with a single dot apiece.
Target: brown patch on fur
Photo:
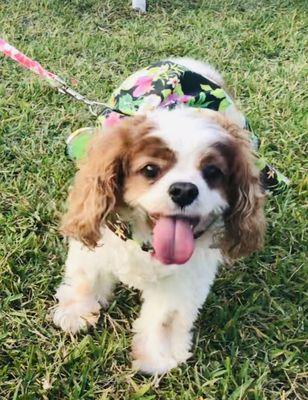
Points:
(149, 150)
(244, 220)
(83, 289)
(215, 157)
(111, 169)
(97, 188)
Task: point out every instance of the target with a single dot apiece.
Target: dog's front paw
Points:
(151, 358)
(76, 316)
(154, 364)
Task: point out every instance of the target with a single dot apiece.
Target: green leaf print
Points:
(206, 88)
(127, 105)
(260, 163)
(205, 105)
(219, 93)
(201, 100)
(224, 104)
(191, 102)
(178, 90)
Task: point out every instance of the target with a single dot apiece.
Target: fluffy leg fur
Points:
(85, 288)
(172, 296)
(163, 334)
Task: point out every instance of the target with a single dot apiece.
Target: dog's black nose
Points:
(183, 193)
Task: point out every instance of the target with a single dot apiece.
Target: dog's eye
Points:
(150, 171)
(211, 172)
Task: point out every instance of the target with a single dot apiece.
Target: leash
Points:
(54, 80)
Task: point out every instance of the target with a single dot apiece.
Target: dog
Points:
(185, 180)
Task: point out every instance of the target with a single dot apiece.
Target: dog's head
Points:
(174, 168)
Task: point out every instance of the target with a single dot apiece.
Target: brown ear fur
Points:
(97, 186)
(244, 221)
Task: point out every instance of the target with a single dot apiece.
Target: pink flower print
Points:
(143, 85)
(185, 98)
(174, 98)
(112, 119)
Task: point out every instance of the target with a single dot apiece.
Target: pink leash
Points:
(54, 80)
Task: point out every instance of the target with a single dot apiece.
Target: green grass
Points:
(250, 337)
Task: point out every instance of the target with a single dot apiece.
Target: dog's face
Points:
(175, 168)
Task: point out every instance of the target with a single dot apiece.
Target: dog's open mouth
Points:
(173, 238)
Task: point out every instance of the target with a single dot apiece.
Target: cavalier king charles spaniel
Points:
(167, 172)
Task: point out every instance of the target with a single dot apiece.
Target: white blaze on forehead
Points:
(186, 133)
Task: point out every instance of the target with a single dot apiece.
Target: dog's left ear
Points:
(244, 220)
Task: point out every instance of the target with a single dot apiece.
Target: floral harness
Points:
(166, 84)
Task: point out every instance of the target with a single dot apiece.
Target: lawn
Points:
(250, 337)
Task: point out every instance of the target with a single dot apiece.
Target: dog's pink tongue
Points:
(173, 241)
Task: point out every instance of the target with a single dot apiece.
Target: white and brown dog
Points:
(166, 171)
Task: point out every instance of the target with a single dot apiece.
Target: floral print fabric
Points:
(168, 84)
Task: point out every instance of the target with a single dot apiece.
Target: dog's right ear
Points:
(95, 190)
(98, 183)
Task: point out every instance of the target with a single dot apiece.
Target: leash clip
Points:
(65, 89)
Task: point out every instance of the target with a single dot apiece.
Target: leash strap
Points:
(54, 80)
